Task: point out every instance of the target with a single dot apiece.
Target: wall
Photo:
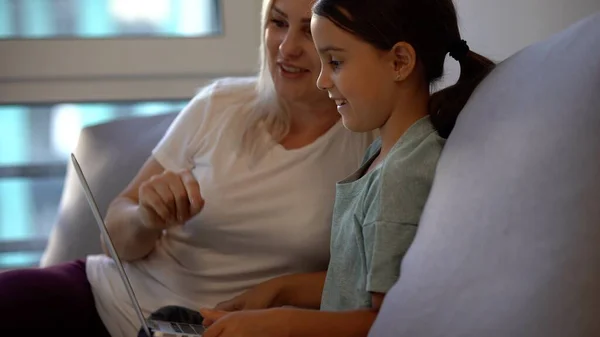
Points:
(499, 28)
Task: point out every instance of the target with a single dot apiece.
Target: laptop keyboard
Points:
(187, 328)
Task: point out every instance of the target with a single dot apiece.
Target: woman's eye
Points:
(278, 23)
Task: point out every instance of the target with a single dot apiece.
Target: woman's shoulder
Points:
(221, 98)
(213, 110)
(228, 90)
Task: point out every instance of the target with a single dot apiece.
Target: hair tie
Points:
(458, 50)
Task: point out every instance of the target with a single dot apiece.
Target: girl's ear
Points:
(404, 60)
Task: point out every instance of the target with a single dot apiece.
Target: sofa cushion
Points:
(509, 241)
(110, 155)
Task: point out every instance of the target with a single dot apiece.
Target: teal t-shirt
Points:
(375, 217)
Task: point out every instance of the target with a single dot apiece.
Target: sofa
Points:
(509, 240)
(110, 154)
(508, 244)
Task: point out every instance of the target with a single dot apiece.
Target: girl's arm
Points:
(303, 290)
(298, 290)
(332, 324)
(291, 322)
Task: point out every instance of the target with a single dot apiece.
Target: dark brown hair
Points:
(431, 28)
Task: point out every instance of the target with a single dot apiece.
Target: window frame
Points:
(165, 68)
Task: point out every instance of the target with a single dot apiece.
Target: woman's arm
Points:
(131, 238)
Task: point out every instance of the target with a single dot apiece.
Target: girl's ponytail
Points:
(446, 104)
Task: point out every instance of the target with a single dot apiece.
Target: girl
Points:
(378, 62)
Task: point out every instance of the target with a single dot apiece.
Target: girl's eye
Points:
(335, 64)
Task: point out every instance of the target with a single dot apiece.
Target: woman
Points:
(378, 62)
(240, 190)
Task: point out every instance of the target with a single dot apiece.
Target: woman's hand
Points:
(263, 296)
(252, 323)
(168, 199)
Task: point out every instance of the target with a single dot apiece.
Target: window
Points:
(68, 64)
(81, 50)
(35, 143)
(43, 19)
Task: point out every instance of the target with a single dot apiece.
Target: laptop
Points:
(154, 328)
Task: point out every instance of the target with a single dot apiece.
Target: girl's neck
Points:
(410, 109)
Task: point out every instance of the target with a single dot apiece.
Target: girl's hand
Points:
(251, 323)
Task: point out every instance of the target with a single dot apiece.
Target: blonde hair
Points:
(267, 113)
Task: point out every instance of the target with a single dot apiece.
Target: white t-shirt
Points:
(257, 223)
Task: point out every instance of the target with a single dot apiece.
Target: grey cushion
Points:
(509, 242)
(110, 155)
